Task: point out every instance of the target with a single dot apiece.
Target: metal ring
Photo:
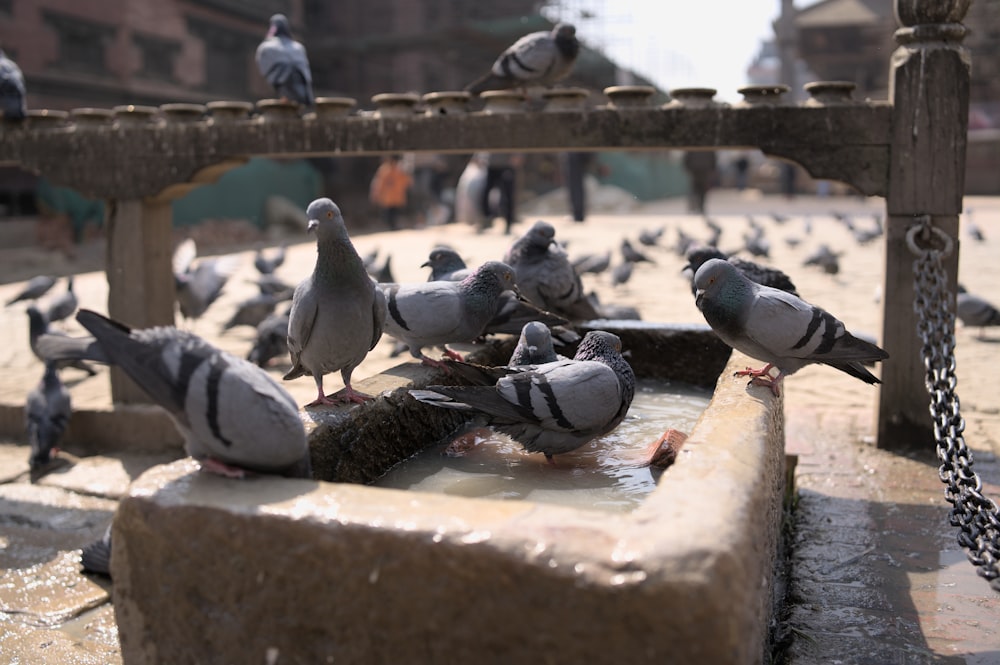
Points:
(925, 225)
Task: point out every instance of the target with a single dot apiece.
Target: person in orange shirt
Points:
(389, 188)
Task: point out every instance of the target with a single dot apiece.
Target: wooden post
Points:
(929, 90)
(140, 275)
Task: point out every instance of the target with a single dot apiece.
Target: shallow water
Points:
(608, 473)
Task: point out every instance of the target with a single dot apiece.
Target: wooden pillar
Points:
(929, 90)
(140, 274)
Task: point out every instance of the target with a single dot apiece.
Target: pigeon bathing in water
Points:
(284, 63)
(554, 407)
(34, 289)
(437, 313)
(546, 277)
(337, 312)
(47, 411)
(12, 91)
(234, 417)
(777, 327)
(540, 58)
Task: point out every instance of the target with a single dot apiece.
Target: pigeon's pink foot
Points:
(219, 468)
(663, 452)
(749, 371)
(454, 355)
(430, 362)
(349, 396)
(774, 383)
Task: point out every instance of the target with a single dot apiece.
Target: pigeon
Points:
(513, 312)
(684, 241)
(534, 346)
(632, 255)
(273, 285)
(974, 311)
(234, 417)
(592, 263)
(545, 276)
(46, 411)
(777, 327)
(199, 285)
(252, 311)
(47, 344)
(337, 312)
(614, 312)
(824, 258)
(441, 312)
(554, 407)
(778, 218)
(383, 273)
(284, 63)
(972, 229)
(863, 236)
(96, 557)
(622, 273)
(35, 288)
(271, 340)
(539, 58)
(63, 306)
(265, 265)
(446, 265)
(651, 237)
(772, 277)
(757, 244)
(12, 91)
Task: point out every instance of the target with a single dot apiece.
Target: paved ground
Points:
(876, 576)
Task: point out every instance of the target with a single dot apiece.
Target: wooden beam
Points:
(140, 275)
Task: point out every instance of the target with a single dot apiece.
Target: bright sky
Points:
(677, 43)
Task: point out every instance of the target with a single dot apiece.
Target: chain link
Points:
(975, 515)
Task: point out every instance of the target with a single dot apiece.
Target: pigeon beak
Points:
(313, 223)
(425, 264)
(698, 295)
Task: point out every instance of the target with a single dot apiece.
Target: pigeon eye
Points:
(329, 214)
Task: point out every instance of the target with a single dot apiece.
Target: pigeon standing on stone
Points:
(47, 411)
(12, 91)
(199, 284)
(337, 312)
(546, 277)
(35, 288)
(777, 327)
(267, 265)
(540, 58)
(555, 407)
(437, 313)
(974, 311)
(284, 63)
(698, 255)
(63, 306)
(46, 343)
(234, 417)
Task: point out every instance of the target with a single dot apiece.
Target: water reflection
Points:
(608, 473)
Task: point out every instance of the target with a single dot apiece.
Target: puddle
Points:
(607, 473)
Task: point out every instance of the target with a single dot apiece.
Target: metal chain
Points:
(974, 514)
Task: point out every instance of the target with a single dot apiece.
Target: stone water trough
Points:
(273, 570)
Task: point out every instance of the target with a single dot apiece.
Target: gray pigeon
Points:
(651, 237)
(554, 407)
(48, 345)
(284, 63)
(233, 415)
(96, 557)
(539, 58)
(446, 264)
(974, 311)
(546, 277)
(514, 311)
(534, 346)
(253, 310)
(34, 289)
(46, 414)
(273, 285)
(12, 91)
(438, 313)
(699, 254)
(632, 255)
(63, 306)
(777, 327)
(271, 340)
(622, 273)
(199, 284)
(337, 312)
(267, 265)
(824, 258)
(592, 263)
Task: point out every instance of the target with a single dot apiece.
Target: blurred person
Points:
(501, 175)
(389, 188)
(574, 166)
(700, 166)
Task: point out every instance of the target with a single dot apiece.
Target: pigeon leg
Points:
(774, 383)
(430, 362)
(454, 355)
(749, 371)
(219, 468)
(349, 396)
(320, 397)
